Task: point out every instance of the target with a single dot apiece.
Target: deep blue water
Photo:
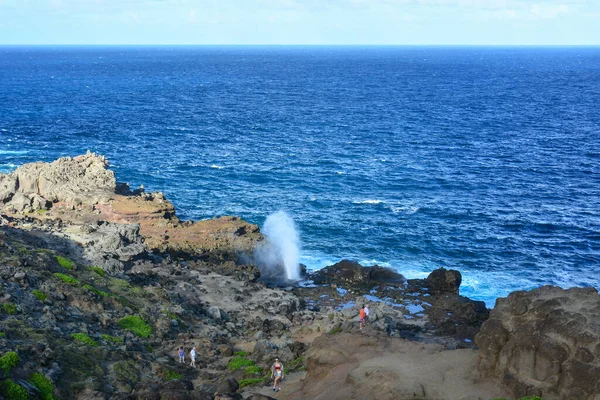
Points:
(486, 160)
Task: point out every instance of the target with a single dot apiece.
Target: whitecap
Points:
(217, 166)
(409, 210)
(13, 152)
(339, 172)
(368, 201)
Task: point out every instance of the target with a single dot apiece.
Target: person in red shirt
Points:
(362, 316)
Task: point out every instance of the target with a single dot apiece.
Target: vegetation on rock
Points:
(13, 391)
(126, 371)
(44, 385)
(67, 279)
(41, 296)
(136, 325)
(238, 362)
(9, 360)
(250, 381)
(9, 308)
(112, 339)
(85, 339)
(98, 270)
(169, 375)
(64, 262)
(95, 291)
(253, 369)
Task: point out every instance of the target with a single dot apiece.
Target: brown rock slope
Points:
(544, 342)
(82, 192)
(370, 366)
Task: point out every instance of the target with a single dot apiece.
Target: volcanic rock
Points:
(544, 342)
(352, 273)
(443, 281)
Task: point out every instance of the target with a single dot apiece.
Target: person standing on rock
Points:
(366, 314)
(278, 374)
(362, 316)
(181, 355)
(193, 356)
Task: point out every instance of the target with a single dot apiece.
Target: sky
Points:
(296, 22)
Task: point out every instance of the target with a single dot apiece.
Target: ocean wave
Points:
(13, 152)
(7, 167)
(215, 166)
(409, 210)
(368, 201)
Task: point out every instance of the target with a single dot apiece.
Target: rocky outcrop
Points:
(346, 366)
(78, 180)
(444, 281)
(79, 198)
(545, 342)
(353, 274)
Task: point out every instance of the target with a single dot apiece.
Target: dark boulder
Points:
(228, 385)
(351, 273)
(443, 281)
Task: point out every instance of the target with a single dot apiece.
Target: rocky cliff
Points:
(544, 342)
(99, 285)
(80, 199)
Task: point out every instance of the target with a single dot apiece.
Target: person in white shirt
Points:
(193, 356)
(366, 314)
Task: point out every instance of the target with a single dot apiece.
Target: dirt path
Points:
(291, 380)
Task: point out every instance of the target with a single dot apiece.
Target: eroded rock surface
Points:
(346, 366)
(79, 198)
(544, 342)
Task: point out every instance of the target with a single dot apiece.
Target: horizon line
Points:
(293, 45)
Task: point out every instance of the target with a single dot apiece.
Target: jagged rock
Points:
(78, 180)
(457, 316)
(444, 281)
(544, 342)
(228, 385)
(146, 391)
(353, 274)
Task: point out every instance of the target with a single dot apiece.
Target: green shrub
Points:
(67, 279)
(10, 308)
(96, 291)
(171, 375)
(113, 339)
(136, 325)
(240, 353)
(13, 391)
(335, 330)
(251, 381)
(98, 270)
(253, 369)
(9, 360)
(85, 339)
(44, 385)
(41, 296)
(298, 362)
(64, 262)
(239, 362)
(2, 334)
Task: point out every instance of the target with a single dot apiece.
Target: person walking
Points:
(362, 316)
(193, 356)
(277, 374)
(367, 322)
(181, 355)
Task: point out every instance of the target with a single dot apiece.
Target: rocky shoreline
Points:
(101, 284)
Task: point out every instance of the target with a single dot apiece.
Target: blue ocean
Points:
(485, 160)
